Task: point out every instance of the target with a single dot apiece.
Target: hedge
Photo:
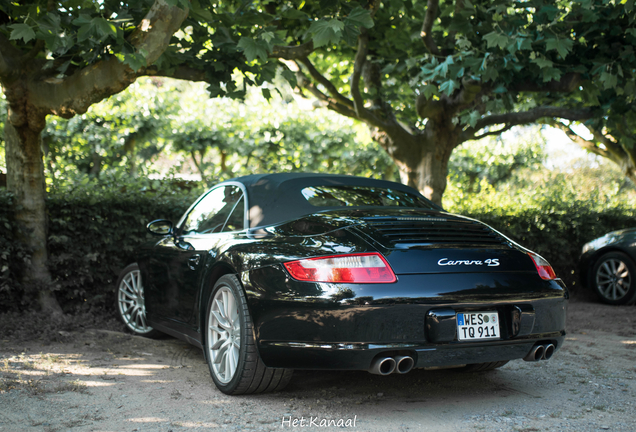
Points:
(92, 236)
(93, 233)
(558, 234)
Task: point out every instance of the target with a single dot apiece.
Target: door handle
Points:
(193, 261)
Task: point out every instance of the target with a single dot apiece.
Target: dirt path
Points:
(107, 381)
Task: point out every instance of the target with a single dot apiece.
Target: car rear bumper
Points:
(360, 356)
(335, 326)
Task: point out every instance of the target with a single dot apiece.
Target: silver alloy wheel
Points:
(131, 303)
(613, 279)
(224, 335)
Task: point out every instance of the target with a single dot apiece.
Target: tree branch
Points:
(182, 72)
(374, 6)
(622, 127)
(293, 52)
(428, 108)
(526, 117)
(459, 5)
(74, 94)
(358, 102)
(331, 103)
(360, 60)
(468, 93)
(614, 151)
(577, 139)
(342, 105)
(612, 147)
(38, 47)
(568, 83)
(497, 132)
(427, 27)
(320, 79)
(517, 118)
(9, 57)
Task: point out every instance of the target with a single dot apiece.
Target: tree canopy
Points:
(479, 69)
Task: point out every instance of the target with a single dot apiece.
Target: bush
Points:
(13, 255)
(558, 237)
(553, 223)
(93, 232)
(94, 229)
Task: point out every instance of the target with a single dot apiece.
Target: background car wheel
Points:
(614, 278)
(230, 348)
(131, 306)
(482, 367)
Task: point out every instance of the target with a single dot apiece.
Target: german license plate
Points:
(477, 325)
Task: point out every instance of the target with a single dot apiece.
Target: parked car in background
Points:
(274, 272)
(607, 266)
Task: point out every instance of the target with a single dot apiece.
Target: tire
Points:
(614, 279)
(230, 347)
(483, 367)
(131, 306)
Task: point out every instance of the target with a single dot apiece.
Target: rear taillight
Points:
(355, 268)
(543, 267)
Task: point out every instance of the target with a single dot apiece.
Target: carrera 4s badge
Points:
(490, 262)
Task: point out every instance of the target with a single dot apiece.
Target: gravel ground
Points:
(98, 380)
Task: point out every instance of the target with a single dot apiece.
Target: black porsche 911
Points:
(607, 266)
(275, 272)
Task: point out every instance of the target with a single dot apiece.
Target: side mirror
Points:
(160, 227)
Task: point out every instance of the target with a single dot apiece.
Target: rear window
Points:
(359, 196)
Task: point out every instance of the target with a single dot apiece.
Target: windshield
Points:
(359, 196)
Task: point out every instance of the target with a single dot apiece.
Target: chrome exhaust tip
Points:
(383, 366)
(536, 353)
(404, 364)
(549, 350)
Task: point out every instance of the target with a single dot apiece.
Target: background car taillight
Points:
(354, 268)
(543, 267)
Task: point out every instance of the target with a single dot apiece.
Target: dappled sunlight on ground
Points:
(109, 381)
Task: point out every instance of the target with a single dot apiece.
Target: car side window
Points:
(236, 220)
(212, 212)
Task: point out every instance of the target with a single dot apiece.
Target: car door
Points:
(176, 265)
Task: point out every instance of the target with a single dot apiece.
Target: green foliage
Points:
(13, 254)
(129, 128)
(553, 212)
(502, 43)
(228, 138)
(156, 122)
(505, 47)
(74, 34)
(95, 224)
(94, 228)
(496, 160)
(556, 230)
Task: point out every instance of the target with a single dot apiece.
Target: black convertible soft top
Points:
(275, 198)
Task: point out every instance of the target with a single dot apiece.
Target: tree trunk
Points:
(422, 158)
(429, 173)
(631, 174)
(200, 165)
(131, 154)
(626, 160)
(50, 159)
(25, 179)
(95, 167)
